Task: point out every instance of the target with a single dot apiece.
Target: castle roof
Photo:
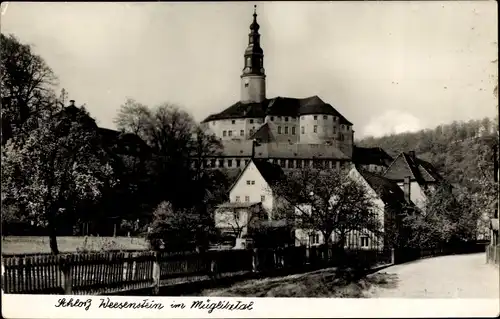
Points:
(280, 106)
(243, 148)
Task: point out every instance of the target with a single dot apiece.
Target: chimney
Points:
(71, 102)
(406, 188)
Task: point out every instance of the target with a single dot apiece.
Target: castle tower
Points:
(253, 78)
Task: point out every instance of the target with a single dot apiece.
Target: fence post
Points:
(156, 274)
(255, 260)
(67, 276)
(393, 256)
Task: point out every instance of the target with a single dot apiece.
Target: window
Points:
(238, 163)
(253, 182)
(229, 163)
(248, 182)
(286, 118)
(237, 199)
(314, 239)
(233, 122)
(290, 163)
(325, 117)
(364, 241)
(229, 133)
(286, 129)
(262, 198)
(272, 118)
(282, 162)
(251, 121)
(246, 84)
(247, 199)
(221, 163)
(293, 130)
(315, 117)
(302, 130)
(334, 129)
(249, 61)
(251, 131)
(212, 163)
(315, 129)
(242, 132)
(224, 133)
(279, 118)
(279, 129)
(246, 162)
(299, 163)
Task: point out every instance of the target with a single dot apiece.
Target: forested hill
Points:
(461, 151)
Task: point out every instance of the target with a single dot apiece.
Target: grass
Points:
(40, 244)
(325, 283)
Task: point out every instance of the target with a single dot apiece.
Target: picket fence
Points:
(117, 272)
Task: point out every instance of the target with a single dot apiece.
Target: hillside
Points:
(461, 151)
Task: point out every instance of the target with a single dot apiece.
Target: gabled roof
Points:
(388, 191)
(419, 170)
(126, 142)
(284, 106)
(243, 148)
(263, 134)
(371, 155)
(272, 173)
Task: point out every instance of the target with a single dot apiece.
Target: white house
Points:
(251, 197)
(388, 200)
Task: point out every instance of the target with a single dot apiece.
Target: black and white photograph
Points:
(249, 159)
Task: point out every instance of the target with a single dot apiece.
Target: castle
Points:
(293, 132)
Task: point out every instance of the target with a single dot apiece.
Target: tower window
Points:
(293, 130)
(315, 117)
(286, 118)
(249, 61)
(315, 129)
(224, 133)
(246, 84)
(251, 121)
(279, 129)
(286, 129)
(233, 122)
(325, 117)
(302, 130)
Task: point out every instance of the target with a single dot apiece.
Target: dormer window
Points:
(251, 121)
(233, 122)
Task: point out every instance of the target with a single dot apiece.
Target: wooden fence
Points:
(116, 272)
(493, 254)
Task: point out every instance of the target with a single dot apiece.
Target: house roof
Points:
(263, 134)
(272, 173)
(238, 205)
(126, 142)
(243, 148)
(371, 155)
(494, 223)
(284, 106)
(388, 191)
(406, 164)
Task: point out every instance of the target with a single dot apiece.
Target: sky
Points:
(388, 67)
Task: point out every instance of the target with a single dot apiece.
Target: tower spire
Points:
(253, 75)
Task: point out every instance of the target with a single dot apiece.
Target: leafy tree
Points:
(60, 167)
(330, 202)
(26, 88)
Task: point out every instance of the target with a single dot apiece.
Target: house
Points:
(389, 201)
(423, 176)
(251, 198)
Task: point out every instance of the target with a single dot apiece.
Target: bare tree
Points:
(330, 202)
(239, 220)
